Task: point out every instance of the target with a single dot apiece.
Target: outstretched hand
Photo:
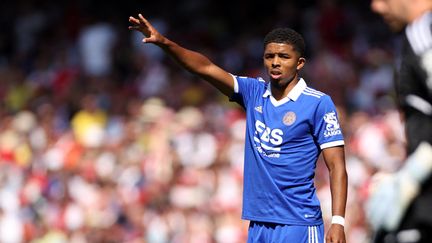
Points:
(143, 25)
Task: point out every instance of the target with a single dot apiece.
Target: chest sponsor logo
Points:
(332, 127)
(289, 118)
(267, 140)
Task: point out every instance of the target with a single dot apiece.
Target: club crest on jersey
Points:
(259, 109)
(289, 118)
(332, 124)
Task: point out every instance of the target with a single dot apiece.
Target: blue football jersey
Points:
(283, 141)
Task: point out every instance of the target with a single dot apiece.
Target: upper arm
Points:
(219, 78)
(334, 158)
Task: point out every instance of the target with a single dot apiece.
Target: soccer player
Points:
(288, 125)
(400, 204)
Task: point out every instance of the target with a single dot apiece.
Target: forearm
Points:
(335, 160)
(192, 61)
(199, 65)
(338, 187)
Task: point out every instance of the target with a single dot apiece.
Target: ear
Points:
(300, 63)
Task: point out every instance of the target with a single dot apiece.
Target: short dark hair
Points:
(287, 36)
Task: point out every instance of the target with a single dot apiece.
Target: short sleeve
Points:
(244, 89)
(326, 128)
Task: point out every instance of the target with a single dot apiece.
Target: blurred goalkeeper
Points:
(400, 204)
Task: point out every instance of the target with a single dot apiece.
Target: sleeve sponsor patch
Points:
(332, 127)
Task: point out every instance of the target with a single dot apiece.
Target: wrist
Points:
(336, 219)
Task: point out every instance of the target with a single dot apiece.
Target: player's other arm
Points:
(335, 161)
(192, 61)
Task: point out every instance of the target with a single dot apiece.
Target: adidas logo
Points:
(259, 109)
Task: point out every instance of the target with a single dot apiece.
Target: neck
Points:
(279, 92)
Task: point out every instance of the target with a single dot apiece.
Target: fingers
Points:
(145, 21)
(139, 21)
(142, 25)
(142, 19)
(332, 240)
(133, 20)
(133, 27)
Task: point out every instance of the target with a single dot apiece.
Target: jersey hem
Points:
(281, 221)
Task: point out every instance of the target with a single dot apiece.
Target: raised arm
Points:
(192, 61)
(335, 161)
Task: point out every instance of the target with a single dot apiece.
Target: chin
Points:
(396, 26)
(275, 81)
(279, 82)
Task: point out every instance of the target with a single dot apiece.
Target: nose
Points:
(377, 6)
(275, 61)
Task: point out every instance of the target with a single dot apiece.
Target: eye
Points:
(268, 56)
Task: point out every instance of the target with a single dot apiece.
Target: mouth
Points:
(275, 74)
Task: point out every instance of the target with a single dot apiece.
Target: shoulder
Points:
(419, 32)
(314, 95)
(249, 79)
(246, 83)
(317, 100)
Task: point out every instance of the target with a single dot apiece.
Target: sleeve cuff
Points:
(236, 86)
(332, 144)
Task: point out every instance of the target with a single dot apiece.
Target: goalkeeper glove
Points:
(391, 194)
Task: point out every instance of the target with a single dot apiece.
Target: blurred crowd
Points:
(105, 139)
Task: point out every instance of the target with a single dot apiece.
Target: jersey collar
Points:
(418, 33)
(293, 94)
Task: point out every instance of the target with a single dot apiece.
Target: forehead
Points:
(278, 48)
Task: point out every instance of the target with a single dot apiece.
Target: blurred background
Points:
(105, 139)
